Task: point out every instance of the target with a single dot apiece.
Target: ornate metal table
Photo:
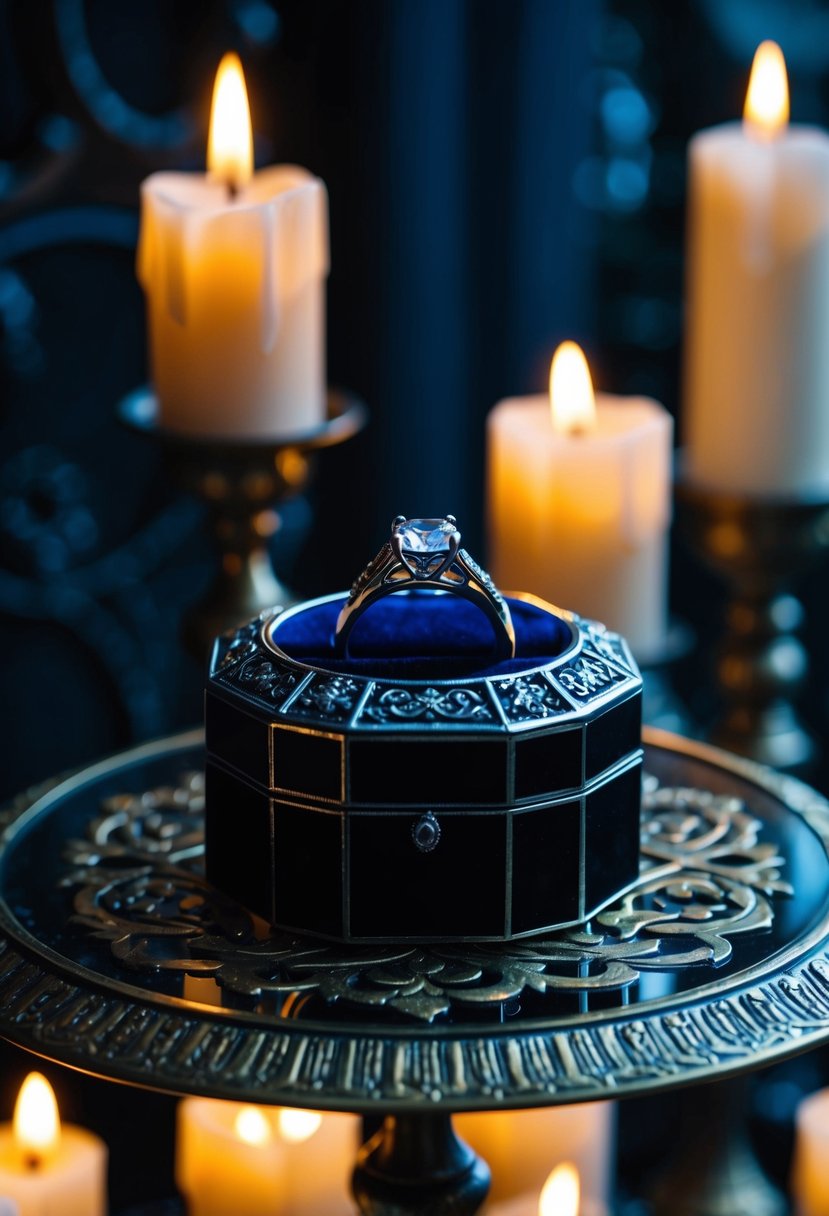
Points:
(117, 958)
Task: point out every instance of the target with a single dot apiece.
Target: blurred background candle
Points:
(521, 1147)
(252, 1160)
(233, 265)
(46, 1168)
(810, 1157)
(320, 1154)
(579, 501)
(228, 1159)
(561, 1195)
(756, 374)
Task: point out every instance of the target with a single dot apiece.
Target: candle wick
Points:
(576, 429)
(32, 1161)
(232, 190)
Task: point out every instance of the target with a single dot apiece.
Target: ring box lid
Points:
(283, 663)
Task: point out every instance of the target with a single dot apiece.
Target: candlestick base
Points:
(760, 549)
(243, 483)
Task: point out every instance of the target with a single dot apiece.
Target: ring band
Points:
(426, 553)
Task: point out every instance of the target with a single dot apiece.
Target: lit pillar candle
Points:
(561, 1195)
(228, 1159)
(49, 1169)
(579, 501)
(521, 1147)
(810, 1158)
(233, 266)
(321, 1151)
(251, 1160)
(756, 360)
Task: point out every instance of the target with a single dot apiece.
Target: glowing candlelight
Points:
(560, 1193)
(766, 111)
(36, 1122)
(47, 1167)
(251, 1126)
(230, 139)
(572, 400)
(296, 1126)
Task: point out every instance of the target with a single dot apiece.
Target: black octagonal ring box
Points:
(415, 789)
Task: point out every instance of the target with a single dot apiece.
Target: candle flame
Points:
(766, 111)
(572, 402)
(298, 1125)
(36, 1122)
(252, 1127)
(230, 142)
(561, 1192)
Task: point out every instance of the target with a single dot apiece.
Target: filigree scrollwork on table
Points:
(138, 884)
(163, 826)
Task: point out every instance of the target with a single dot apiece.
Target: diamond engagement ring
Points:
(420, 554)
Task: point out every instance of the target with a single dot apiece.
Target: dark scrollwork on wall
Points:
(99, 557)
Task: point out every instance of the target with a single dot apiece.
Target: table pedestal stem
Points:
(415, 1165)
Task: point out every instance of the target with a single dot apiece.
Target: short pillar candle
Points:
(233, 266)
(251, 1160)
(48, 1168)
(579, 502)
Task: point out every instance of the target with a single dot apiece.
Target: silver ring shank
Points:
(463, 577)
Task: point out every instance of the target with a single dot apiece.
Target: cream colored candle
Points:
(251, 1160)
(49, 1169)
(521, 1147)
(228, 1159)
(810, 1159)
(561, 1195)
(579, 502)
(756, 359)
(233, 266)
(321, 1151)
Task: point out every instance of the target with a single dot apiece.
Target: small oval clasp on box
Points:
(426, 833)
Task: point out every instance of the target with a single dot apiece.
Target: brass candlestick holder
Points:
(760, 548)
(243, 483)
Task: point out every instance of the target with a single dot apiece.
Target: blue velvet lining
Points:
(421, 635)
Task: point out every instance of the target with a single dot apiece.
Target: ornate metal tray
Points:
(118, 959)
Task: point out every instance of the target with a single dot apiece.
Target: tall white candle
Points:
(233, 265)
(756, 360)
(579, 502)
(46, 1168)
